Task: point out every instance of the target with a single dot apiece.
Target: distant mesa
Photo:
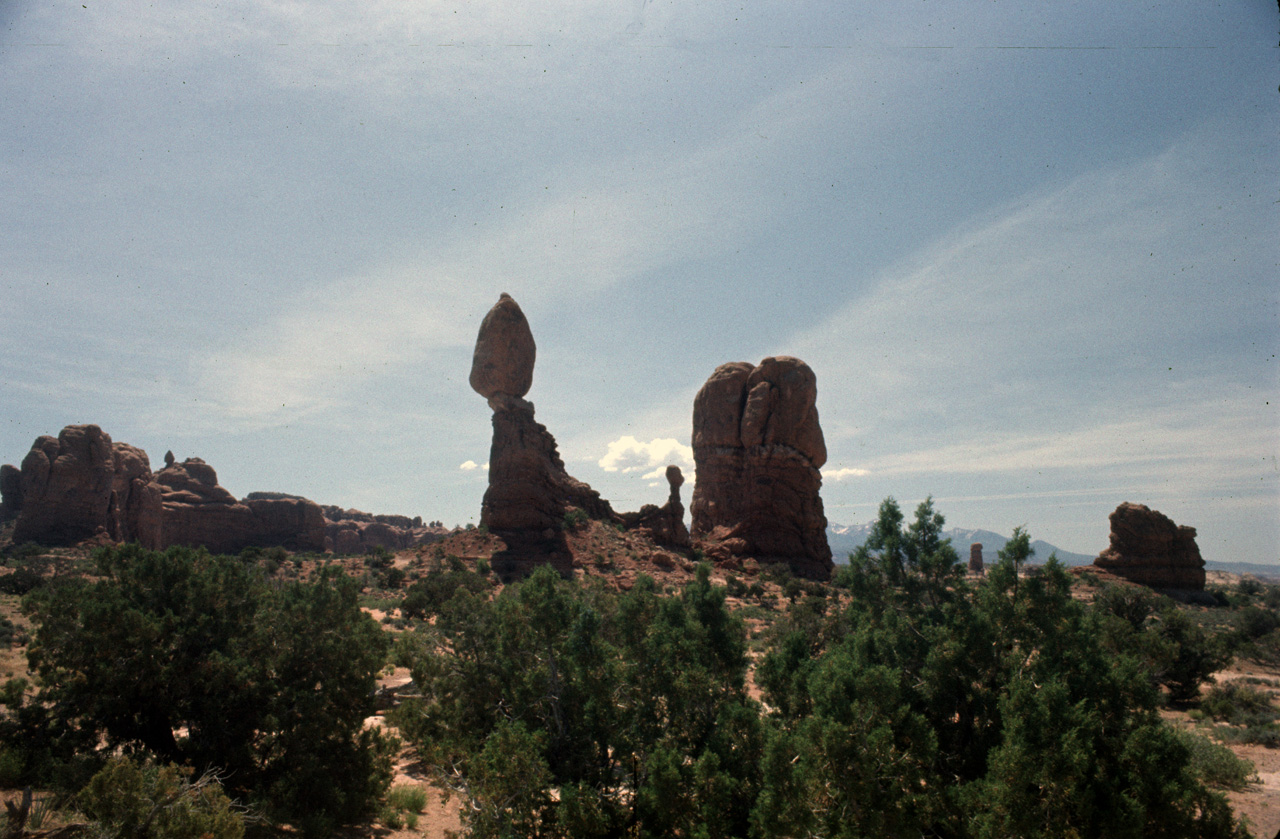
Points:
(197, 511)
(1149, 549)
(81, 486)
(758, 447)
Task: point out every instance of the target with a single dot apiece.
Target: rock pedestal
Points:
(529, 489)
(975, 558)
(758, 447)
(665, 524)
(1148, 548)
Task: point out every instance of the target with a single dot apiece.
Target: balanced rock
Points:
(665, 524)
(1148, 548)
(758, 447)
(529, 490)
(505, 352)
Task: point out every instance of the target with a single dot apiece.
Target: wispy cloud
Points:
(844, 472)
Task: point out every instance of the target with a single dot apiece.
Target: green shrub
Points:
(574, 519)
(1188, 654)
(1238, 704)
(271, 682)
(1253, 622)
(128, 800)
(380, 558)
(1215, 764)
(1248, 586)
(21, 581)
(393, 577)
(435, 588)
(1256, 735)
(410, 798)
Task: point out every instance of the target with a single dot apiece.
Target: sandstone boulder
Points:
(1148, 548)
(758, 447)
(504, 353)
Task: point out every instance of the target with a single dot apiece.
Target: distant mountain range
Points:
(847, 538)
(844, 539)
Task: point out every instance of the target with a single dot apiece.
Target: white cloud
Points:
(627, 454)
(842, 473)
(471, 466)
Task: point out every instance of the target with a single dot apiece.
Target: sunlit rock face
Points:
(1148, 548)
(79, 485)
(758, 448)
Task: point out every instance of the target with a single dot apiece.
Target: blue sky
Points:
(1030, 250)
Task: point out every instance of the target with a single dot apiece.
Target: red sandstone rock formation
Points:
(529, 489)
(10, 492)
(665, 524)
(79, 485)
(197, 511)
(975, 558)
(758, 447)
(505, 352)
(1148, 548)
(134, 513)
(356, 532)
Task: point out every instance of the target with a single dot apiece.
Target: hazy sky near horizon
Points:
(1031, 251)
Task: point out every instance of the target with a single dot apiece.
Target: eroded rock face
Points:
(197, 511)
(357, 532)
(1148, 548)
(10, 492)
(79, 485)
(66, 487)
(134, 513)
(529, 493)
(758, 447)
(505, 352)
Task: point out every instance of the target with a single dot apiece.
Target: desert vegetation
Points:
(182, 694)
